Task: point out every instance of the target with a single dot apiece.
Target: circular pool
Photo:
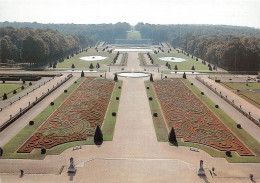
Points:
(93, 58)
(172, 59)
(133, 74)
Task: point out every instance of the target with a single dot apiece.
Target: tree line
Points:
(230, 47)
(95, 32)
(37, 46)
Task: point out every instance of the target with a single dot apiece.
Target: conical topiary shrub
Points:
(151, 78)
(4, 96)
(115, 77)
(91, 66)
(98, 137)
(184, 76)
(82, 74)
(43, 151)
(73, 66)
(172, 136)
(1, 151)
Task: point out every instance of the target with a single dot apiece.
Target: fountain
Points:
(133, 74)
(93, 58)
(172, 59)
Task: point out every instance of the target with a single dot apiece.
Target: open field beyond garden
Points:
(73, 121)
(133, 35)
(187, 65)
(199, 124)
(246, 92)
(82, 64)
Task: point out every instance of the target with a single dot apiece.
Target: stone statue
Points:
(201, 163)
(72, 168)
(201, 170)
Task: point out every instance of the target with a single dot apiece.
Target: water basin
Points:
(133, 74)
(172, 59)
(93, 58)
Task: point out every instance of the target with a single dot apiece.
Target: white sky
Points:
(227, 12)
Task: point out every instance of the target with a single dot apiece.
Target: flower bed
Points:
(192, 120)
(76, 118)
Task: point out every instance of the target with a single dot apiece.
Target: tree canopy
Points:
(231, 47)
(37, 46)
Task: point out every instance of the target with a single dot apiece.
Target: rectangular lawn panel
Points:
(76, 119)
(159, 122)
(133, 35)
(110, 121)
(193, 120)
(82, 64)
(187, 65)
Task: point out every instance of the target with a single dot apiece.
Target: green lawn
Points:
(81, 64)
(159, 124)
(252, 97)
(142, 59)
(133, 35)
(110, 121)
(9, 87)
(246, 138)
(187, 65)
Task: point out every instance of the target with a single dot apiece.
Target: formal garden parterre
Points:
(192, 120)
(76, 119)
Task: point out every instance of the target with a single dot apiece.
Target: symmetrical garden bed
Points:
(76, 118)
(192, 120)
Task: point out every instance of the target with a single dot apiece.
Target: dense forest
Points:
(37, 46)
(231, 47)
(95, 32)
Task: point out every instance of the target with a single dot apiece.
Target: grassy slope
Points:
(230, 123)
(110, 121)
(135, 35)
(8, 87)
(252, 97)
(81, 64)
(181, 65)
